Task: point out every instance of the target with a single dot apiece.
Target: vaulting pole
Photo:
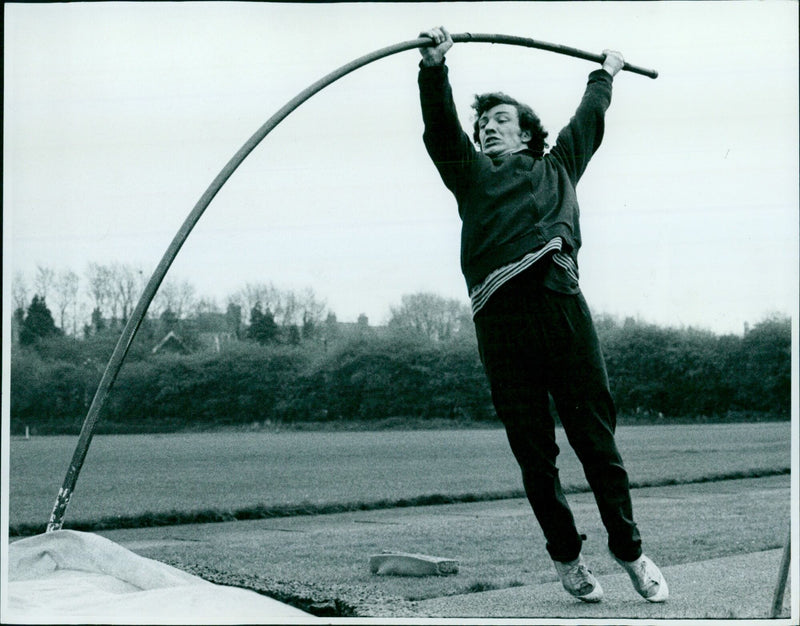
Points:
(137, 316)
(783, 577)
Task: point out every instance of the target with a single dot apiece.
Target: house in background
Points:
(213, 330)
(171, 343)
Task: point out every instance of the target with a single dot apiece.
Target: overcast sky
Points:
(118, 116)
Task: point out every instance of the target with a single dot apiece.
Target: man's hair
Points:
(528, 120)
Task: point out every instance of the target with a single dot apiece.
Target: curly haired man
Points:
(520, 238)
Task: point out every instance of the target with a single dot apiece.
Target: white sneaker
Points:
(578, 580)
(647, 579)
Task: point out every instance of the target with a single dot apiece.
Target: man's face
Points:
(499, 132)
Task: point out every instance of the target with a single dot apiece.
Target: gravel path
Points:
(714, 539)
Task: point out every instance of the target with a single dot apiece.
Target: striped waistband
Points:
(481, 293)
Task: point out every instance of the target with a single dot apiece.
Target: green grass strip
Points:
(210, 516)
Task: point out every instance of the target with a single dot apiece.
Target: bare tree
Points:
(289, 307)
(66, 287)
(254, 293)
(175, 296)
(125, 288)
(311, 309)
(99, 285)
(206, 305)
(19, 291)
(430, 315)
(45, 277)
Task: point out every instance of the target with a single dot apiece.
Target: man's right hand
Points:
(434, 55)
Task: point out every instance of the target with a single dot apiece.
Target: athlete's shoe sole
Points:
(647, 579)
(579, 581)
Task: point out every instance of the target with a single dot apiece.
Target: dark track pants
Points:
(532, 341)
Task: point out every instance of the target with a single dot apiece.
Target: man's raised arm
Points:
(445, 140)
(581, 138)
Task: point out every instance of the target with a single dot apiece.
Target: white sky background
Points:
(118, 116)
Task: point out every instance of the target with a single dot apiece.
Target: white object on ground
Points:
(404, 564)
(74, 577)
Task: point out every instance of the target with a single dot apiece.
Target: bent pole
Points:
(783, 576)
(149, 292)
(540, 45)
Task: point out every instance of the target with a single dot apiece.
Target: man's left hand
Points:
(613, 61)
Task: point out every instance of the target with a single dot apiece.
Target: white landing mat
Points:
(70, 577)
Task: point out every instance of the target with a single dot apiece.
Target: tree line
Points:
(106, 294)
(289, 362)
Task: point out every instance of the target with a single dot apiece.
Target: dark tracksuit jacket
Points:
(535, 333)
(514, 204)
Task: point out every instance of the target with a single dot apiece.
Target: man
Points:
(519, 244)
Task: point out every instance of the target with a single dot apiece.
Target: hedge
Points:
(665, 373)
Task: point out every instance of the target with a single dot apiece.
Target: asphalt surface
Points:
(737, 585)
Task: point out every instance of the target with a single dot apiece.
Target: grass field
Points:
(158, 479)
